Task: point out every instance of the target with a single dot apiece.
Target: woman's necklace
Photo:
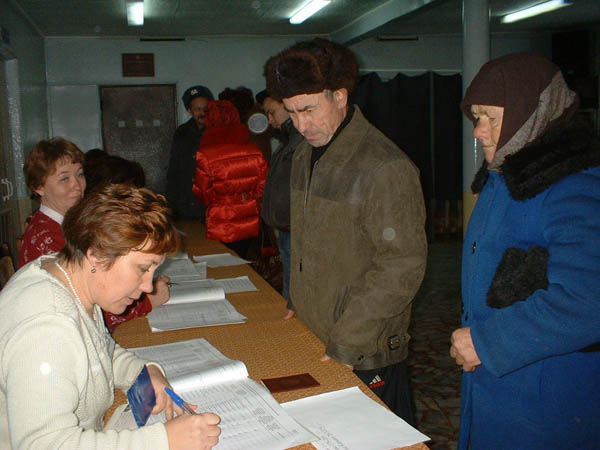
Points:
(73, 287)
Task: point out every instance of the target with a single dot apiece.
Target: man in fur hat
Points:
(182, 161)
(357, 221)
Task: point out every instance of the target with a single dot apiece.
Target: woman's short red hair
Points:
(43, 160)
(115, 220)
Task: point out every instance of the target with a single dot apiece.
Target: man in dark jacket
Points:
(275, 210)
(182, 162)
(357, 218)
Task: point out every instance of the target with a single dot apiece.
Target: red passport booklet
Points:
(282, 384)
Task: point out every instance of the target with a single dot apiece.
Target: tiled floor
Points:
(435, 376)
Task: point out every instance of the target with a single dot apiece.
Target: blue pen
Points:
(179, 401)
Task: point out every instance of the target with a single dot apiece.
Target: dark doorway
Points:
(138, 123)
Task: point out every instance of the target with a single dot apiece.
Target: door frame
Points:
(18, 206)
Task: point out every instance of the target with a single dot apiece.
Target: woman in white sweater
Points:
(58, 364)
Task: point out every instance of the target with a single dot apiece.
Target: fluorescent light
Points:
(540, 8)
(135, 12)
(308, 10)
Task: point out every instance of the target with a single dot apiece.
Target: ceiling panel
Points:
(446, 17)
(182, 18)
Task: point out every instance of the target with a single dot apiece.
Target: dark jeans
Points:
(392, 385)
(284, 251)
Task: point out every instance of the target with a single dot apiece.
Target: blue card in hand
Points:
(141, 397)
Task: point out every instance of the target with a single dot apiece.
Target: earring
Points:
(93, 269)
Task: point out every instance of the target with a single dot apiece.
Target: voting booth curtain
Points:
(422, 115)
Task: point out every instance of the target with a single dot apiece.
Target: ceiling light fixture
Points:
(535, 10)
(308, 10)
(135, 12)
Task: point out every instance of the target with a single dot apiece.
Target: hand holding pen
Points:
(192, 430)
(179, 401)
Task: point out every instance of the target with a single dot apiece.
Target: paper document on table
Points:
(193, 362)
(180, 255)
(195, 291)
(348, 419)
(251, 418)
(201, 269)
(238, 284)
(211, 289)
(180, 269)
(221, 260)
(194, 301)
(191, 315)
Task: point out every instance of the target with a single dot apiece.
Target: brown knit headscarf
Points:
(532, 92)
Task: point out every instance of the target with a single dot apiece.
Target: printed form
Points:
(251, 419)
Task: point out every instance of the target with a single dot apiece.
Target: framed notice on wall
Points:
(138, 64)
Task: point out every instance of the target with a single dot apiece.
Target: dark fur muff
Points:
(519, 274)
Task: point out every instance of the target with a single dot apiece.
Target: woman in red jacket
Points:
(230, 177)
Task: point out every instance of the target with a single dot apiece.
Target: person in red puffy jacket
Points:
(230, 177)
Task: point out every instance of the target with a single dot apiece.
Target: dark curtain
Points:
(448, 137)
(402, 109)
(399, 108)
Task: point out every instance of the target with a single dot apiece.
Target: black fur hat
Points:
(311, 67)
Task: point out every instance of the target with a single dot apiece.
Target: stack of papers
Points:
(251, 419)
(221, 259)
(349, 420)
(196, 301)
(182, 269)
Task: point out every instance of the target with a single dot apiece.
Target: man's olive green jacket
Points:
(359, 247)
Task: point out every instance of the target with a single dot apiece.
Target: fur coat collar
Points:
(562, 151)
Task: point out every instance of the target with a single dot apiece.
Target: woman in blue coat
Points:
(530, 338)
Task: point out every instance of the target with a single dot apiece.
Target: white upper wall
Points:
(76, 66)
(438, 53)
(214, 62)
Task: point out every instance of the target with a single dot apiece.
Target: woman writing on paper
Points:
(59, 365)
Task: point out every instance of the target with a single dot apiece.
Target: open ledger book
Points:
(194, 302)
(251, 418)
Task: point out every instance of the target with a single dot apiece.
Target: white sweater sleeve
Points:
(58, 389)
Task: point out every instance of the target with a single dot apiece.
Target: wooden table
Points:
(268, 345)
